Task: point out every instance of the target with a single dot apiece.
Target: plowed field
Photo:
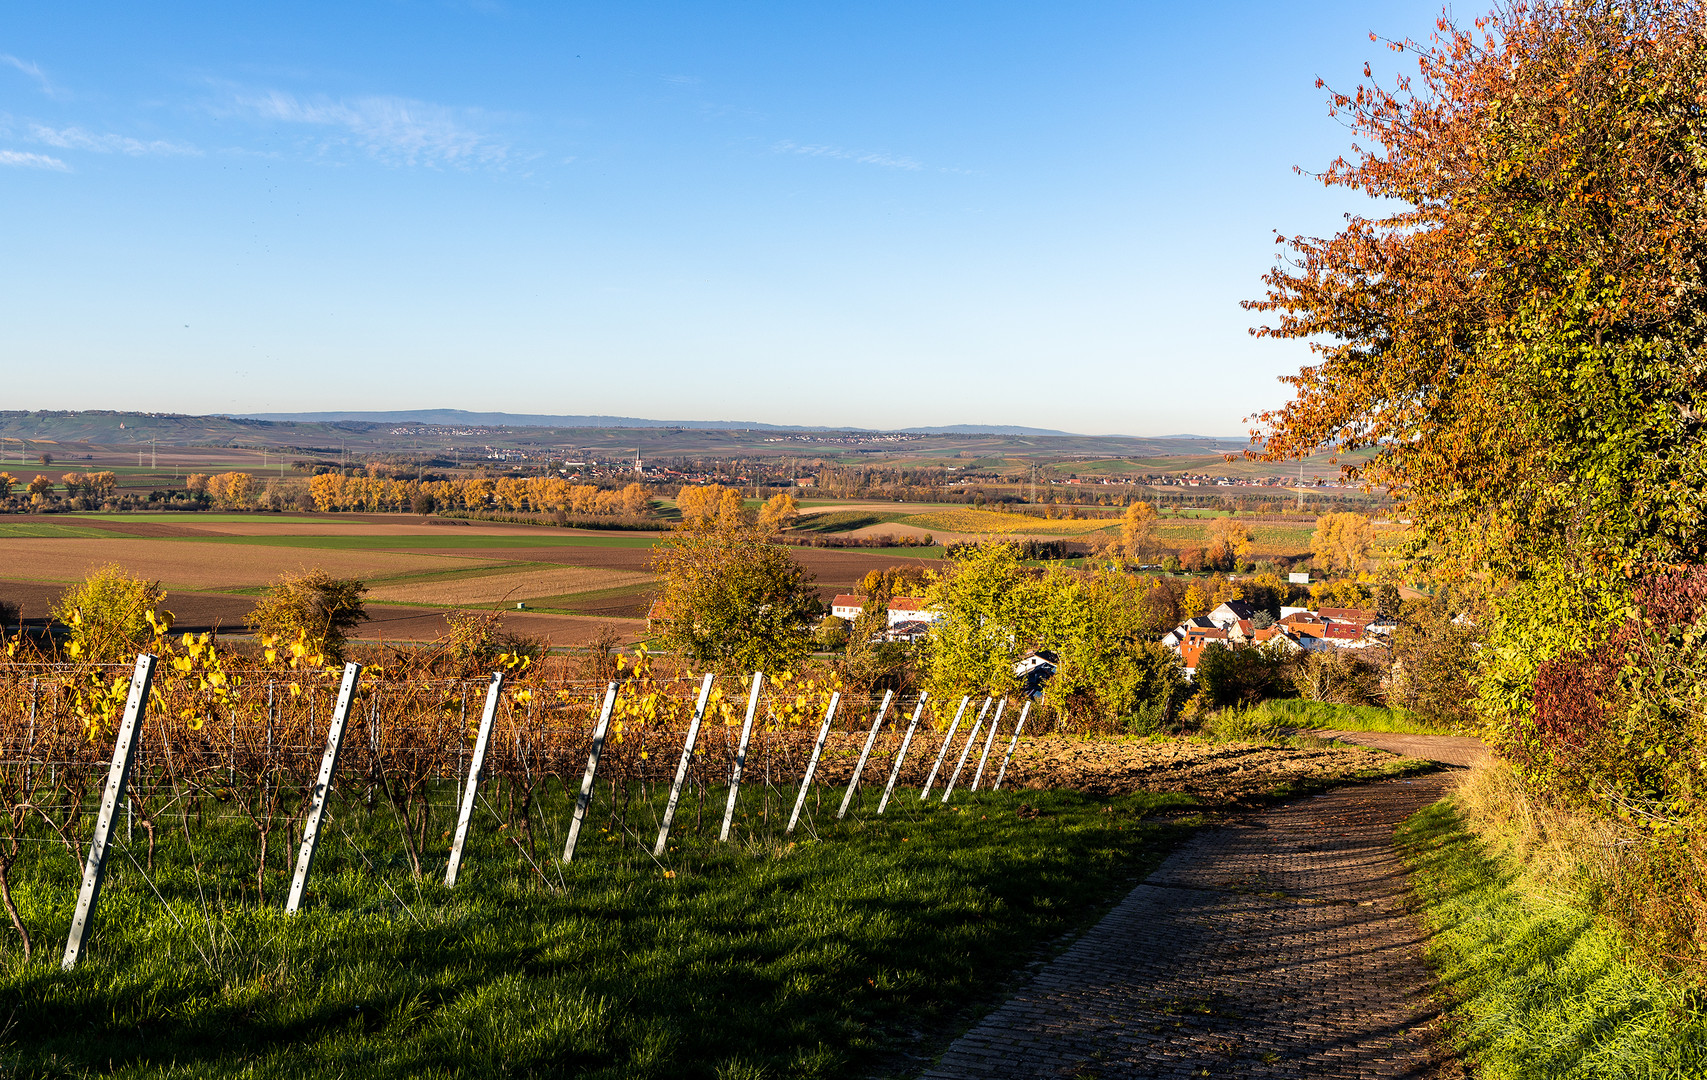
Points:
(204, 566)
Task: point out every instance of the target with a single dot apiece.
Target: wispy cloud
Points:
(27, 160)
(396, 130)
(75, 138)
(862, 157)
(33, 70)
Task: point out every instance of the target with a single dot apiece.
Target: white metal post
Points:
(476, 763)
(1023, 713)
(859, 767)
(812, 762)
(901, 754)
(585, 797)
(971, 741)
(741, 756)
(322, 786)
(989, 740)
(941, 754)
(682, 769)
(124, 751)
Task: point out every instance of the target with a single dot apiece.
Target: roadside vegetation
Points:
(1513, 337)
(1538, 984)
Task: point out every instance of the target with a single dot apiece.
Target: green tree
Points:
(107, 616)
(735, 600)
(1110, 671)
(986, 621)
(313, 612)
(1242, 674)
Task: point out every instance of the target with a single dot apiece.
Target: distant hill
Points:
(332, 433)
(464, 418)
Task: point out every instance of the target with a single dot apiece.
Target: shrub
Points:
(1242, 675)
(1340, 676)
(1244, 723)
(314, 611)
(108, 614)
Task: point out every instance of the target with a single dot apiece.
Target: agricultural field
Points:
(572, 583)
(970, 522)
(1178, 529)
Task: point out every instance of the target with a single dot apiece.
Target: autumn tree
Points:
(779, 512)
(1517, 334)
(711, 503)
(1229, 543)
(313, 612)
(1138, 533)
(1520, 341)
(101, 485)
(40, 488)
(7, 483)
(636, 500)
(232, 490)
(1341, 542)
(736, 601)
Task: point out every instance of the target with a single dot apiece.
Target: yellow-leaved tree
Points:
(1342, 542)
(779, 512)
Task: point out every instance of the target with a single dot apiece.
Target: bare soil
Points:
(209, 566)
(1214, 772)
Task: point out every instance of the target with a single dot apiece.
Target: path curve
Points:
(1276, 946)
(1447, 749)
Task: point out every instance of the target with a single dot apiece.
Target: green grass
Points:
(825, 957)
(381, 542)
(836, 521)
(1539, 990)
(48, 529)
(1322, 715)
(191, 517)
(572, 603)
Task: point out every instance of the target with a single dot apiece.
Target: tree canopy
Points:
(732, 598)
(1521, 338)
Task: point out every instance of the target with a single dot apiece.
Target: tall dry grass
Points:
(1650, 887)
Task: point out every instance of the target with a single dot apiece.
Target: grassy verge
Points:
(1322, 715)
(851, 950)
(1537, 988)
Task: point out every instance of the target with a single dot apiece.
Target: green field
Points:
(35, 530)
(835, 521)
(853, 949)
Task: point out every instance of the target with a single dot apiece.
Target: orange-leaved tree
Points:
(1518, 332)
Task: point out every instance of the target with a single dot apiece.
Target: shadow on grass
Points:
(852, 952)
(1536, 988)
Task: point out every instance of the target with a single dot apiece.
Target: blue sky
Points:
(879, 215)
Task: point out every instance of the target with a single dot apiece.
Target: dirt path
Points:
(1276, 946)
(1447, 749)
